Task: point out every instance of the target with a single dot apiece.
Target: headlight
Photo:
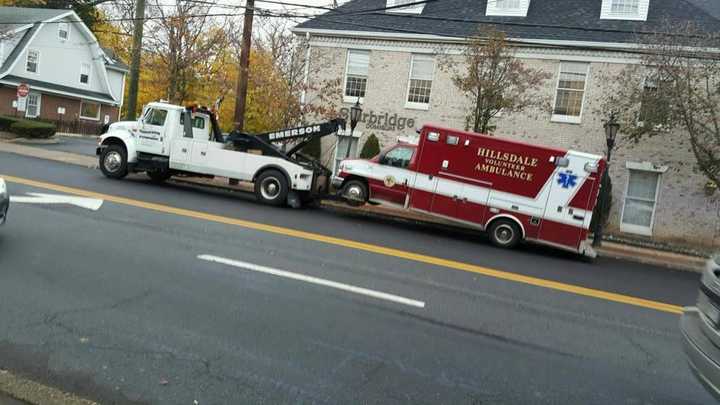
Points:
(3, 187)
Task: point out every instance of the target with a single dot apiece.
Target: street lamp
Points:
(611, 130)
(355, 114)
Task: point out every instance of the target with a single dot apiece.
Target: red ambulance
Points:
(513, 190)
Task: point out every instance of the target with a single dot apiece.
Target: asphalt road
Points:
(116, 304)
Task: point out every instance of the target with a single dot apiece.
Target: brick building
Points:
(72, 80)
(388, 58)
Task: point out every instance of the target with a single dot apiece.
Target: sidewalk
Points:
(609, 249)
(30, 392)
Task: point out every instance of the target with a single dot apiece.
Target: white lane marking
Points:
(314, 280)
(40, 198)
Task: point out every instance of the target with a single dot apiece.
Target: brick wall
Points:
(684, 214)
(49, 105)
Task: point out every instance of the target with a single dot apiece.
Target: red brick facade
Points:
(50, 104)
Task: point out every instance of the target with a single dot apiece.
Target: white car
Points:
(4, 201)
(700, 327)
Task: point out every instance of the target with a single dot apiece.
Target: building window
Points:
(341, 148)
(421, 76)
(63, 31)
(85, 73)
(624, 7)
(570, 92)
(640, 201)
(89, 110)
(356, 76)
(653, 111)
(32, 106)
(413, 9)
(636, 10)
(33, 61)
(509, 8)
(507, 4)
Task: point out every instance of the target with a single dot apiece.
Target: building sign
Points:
(506, 164)
(382, 121)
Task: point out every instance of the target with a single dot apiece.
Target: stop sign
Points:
(23, 90)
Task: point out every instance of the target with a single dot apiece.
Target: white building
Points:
(387, 56)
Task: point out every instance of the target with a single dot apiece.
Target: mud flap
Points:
(293, 199)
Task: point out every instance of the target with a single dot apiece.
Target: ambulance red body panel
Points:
(515, 191)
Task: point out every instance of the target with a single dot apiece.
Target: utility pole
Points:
(242, 83)
(135, 62)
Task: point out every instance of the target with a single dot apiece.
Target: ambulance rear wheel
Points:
(271, 187)
(504, 233)
(355, 193)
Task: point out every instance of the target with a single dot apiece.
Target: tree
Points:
(676, 85)
(371, 148)
(494, 80)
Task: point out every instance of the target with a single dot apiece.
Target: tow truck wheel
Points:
(355, 193)
(113, 162)
(504, 233)
(271, 187)
(159, 176)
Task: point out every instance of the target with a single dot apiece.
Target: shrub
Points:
(32, 129)
(371, 148)
(5, 122)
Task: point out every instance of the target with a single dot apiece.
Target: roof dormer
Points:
(634, 10)
(508, 8)
(412, 9)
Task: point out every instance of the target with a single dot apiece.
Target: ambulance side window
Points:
(398, 157)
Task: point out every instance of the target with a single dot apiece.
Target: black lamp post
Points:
(355, 115)
(611, 130)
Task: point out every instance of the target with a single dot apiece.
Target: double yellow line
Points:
(381, 250)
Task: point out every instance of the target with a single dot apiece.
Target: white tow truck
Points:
(172, 140)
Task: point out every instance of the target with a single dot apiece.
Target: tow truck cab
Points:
(170, 140)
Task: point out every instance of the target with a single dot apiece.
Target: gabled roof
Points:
(12, 18)
(26, 37)
(547, 20)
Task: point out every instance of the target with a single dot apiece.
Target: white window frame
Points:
(96, 118)
(570, 119)
(414, 9)
(39, 104)
(352, 99)
(37, 63)
(89, 73)
(606, 12)
(344, 134)
(521, 10)
(67, 29)
(641, 167)
(414, 105)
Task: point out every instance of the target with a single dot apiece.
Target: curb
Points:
(609, 249)
(30, 392)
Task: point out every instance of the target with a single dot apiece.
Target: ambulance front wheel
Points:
(504, 233)
(355, 193)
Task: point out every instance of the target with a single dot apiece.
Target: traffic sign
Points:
(23, 90)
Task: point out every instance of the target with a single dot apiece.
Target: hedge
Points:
(5, 122)
(32, 129)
